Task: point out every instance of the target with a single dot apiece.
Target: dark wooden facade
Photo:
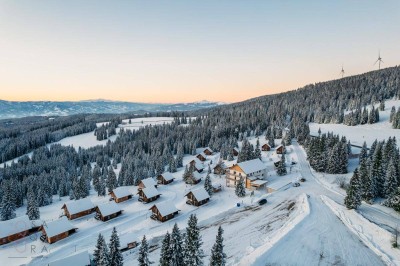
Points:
(144, 198)
(200, 157)
(157, 215)
(191, 200)
(105, 218)
(161, 180)
(280, 149)
(76, 215)
(265, 147)
(219, 169)
(235, 152)
(58, 237)
(18, 235)
(207, 151)
(119, 200)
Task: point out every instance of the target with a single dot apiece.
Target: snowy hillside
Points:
(360, 133)
(10, 109)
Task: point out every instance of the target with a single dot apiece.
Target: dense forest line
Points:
(151, 150)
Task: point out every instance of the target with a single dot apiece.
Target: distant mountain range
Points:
(11, 109)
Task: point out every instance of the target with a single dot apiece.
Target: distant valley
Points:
(11, 109)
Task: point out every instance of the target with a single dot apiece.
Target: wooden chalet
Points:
(216, 188)
(17, 228)
(197, 197)
(235, 151)
(148, 194)
(165, 178)
(56, 230)
(77, 259)
(120, 194)
(280, 149)
(163, 211)
(208, 151)
(194, 179)
(220, 169)
(107, 211)
(249, 171)
(128, 241)
(148, 182)
(201, 156)
(78, 208)
(266, 147)
(197, 164)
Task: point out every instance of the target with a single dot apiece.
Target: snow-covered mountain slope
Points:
(368, 132)
(10, 109)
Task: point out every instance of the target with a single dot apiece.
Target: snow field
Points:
(360, 133)
(255, 257)
(373, 236)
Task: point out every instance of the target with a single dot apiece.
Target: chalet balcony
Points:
(154, 217)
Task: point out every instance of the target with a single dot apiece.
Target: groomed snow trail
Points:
(321, 238)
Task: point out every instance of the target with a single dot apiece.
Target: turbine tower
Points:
(379, 60)
(342, 71)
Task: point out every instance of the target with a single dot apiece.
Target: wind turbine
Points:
(342, 71)
(379, 60)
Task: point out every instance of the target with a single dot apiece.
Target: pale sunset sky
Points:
(184, 51)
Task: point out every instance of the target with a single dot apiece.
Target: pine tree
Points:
(193, 253)
(240, 189)
(111, 179)
(144, 253)
(99, 247)
(165, 256)
(281, 169)
(353, 198)
(7, 206)
(116, 258)
(391, 182)
(104, 256)
(394, 200)
(208, 185)
(176, 247)
(32, 209)
(366, 182)
(218, 256)
(102, 187)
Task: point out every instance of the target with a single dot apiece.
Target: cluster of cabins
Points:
(253, 173)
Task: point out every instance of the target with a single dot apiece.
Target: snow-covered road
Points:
(321, 238)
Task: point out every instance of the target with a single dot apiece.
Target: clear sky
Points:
(183, 51)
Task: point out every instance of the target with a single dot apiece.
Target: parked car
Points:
(262, 201)
(302, 179)
(296, 184)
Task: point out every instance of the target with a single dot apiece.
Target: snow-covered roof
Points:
(57, 227)
(167, 176)
(202, 154)
(236, 149)
(259, 182)
(217, 186)
(252, 166)
(78, 206)
(199, 150)
(149, 182)
(126, 239)
(150, 192)
(196, 176)
(121, 192)
(279, 184)
(199, 166)
(200, 194)
(78, 259)
(109, 208)
(165, 208)
(196, 160)
(266, 144)
(17, 225)
(277, 147)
